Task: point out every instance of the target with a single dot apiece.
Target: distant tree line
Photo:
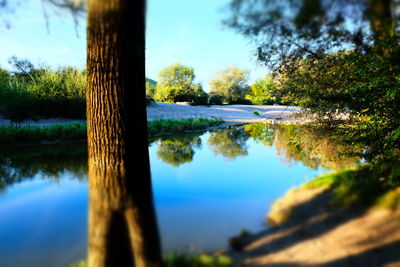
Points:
(34, 92)
(228, 86)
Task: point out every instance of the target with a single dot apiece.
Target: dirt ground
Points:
(229, 113)
(318, 234)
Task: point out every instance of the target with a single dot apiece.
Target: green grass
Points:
(186, 260)
(367, 185)
(200, 260)
(166, 126)
(43, 93)
(13, 135)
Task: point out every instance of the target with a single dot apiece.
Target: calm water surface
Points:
(207, 188)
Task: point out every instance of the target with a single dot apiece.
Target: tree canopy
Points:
(176, 83)
(230, 84)
(285, 30)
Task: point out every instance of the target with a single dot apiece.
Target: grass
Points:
(14, 135)
(368, 185)
(166, 126)
(43, 93)
(186, 260)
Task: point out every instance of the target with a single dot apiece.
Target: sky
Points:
(188, 32)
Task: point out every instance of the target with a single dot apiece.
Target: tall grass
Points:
(12, 135)
(43, 93)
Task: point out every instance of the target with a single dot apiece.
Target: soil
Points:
(319, 234)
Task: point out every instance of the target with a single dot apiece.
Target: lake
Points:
(208, 186)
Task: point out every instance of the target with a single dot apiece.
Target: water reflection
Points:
(312, 146)
(204, 193)
(50, 161)
(177, 150)
(229, 142)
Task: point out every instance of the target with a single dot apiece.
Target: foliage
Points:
(167, 126)
(199, 260)
(31, 93)
(366, 186)
(176, 84)
(14, 135)
(231, 85)
(262, 91)
(215, 98)
(285, 31)
(337, 59)
(150, 87)
(356, 93)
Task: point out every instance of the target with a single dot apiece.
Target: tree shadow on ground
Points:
(311, 220)
(376, 257)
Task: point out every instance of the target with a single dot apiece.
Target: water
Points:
(207, 188)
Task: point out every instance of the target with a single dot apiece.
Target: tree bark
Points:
(122, 222)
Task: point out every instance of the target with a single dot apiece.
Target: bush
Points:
(215, 99)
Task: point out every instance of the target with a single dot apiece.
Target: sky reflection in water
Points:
(207, 188)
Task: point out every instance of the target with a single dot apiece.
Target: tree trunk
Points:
(122, 223)
(382, 24)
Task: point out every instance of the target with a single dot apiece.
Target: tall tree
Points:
(122, 223)
(176, 83)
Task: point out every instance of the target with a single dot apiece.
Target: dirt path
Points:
(321, 235)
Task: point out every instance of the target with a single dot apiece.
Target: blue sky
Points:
(189, 32)
(28, 37)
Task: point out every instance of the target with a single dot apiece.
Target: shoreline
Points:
(232, 114)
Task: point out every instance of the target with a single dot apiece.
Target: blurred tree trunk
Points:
(380, 19)
(382, 24)
(122, 223)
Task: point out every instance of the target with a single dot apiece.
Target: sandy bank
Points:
(319, 234)
(229, 113)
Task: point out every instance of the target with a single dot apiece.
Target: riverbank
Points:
(307, 228)
(231, 114)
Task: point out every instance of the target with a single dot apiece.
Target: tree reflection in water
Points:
(178, 149)
(229, 142)
(313, 146)
(112, 211)
(50, 161)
